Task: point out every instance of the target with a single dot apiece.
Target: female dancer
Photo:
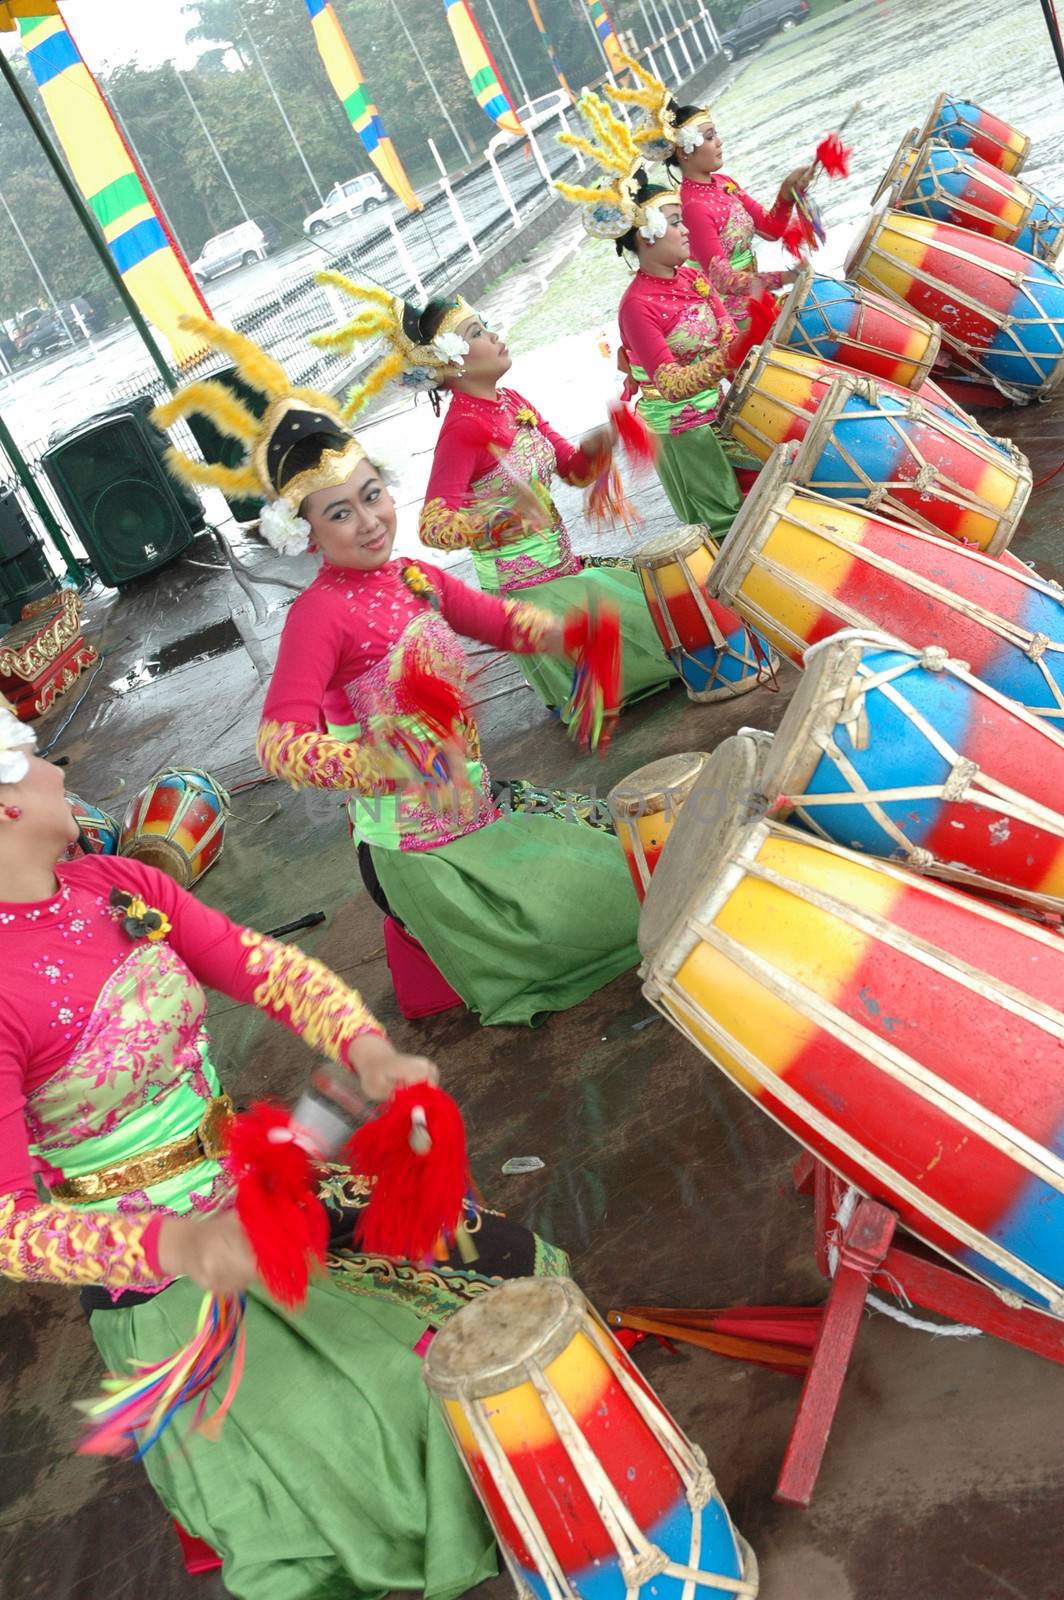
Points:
(332, 1472)
(721, 218)
(523, 914)
(489, 488)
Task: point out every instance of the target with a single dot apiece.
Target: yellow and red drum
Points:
(1001, 311)
(955, 186)
(841, 322)
(907, 1034)
(715, 654)
(645, 805)
(177, 823)
(593, 1491)
(801, 567)
(98, 830)
(904, 754)
(967, 126)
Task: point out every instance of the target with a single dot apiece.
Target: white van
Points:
(236, 247)
(347, 200)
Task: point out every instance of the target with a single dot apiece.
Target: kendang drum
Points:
(98, 832)
(592, 1490)
(715, 654)
(801, 567)
(954, 186)
(910, 462)
(1000, 310)
(644, 807)
(177, 824)
(967, 126)
(907, 1034)
(904, 754)
(843, 323)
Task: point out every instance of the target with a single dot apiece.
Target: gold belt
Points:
(140, 1172)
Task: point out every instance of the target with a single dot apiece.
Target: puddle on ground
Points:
(214, 640)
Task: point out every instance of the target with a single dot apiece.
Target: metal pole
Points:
(75, 569)
(32, 259)
(647, 24)
(428, 79)
(88, 222)
(214, 148)
(503, 190)
(711, 32)
(127, 135)
(594, 34)
(521, 84)
(1054, 33)
(277, 102)
(456, 211)
(682, 42)
(405, 258)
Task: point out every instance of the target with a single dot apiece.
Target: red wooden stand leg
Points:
(863, 1247)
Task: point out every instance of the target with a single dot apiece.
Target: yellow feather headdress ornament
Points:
(610, 209)
(407, 359)
(659, 132)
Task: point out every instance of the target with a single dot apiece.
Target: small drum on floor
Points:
(967, 126)
(801, 567)
(843, 323)
(1000, 310)
(714, 653)
(99, 831)
(645, 805)
(907, 1034)
(955, 186)
(592, 1490)
(177, 823)
(904, 754)
(910, 462)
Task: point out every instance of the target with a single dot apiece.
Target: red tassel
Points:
(834, 156)
(433, 699)
(592, 640)
(277, 1199)
(637, 441)
(799, 235)
(417, 1197)
(762, 310)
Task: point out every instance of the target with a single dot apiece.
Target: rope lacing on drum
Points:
(961, 776)
(926, 478)
(920, 860)
(1038, 646)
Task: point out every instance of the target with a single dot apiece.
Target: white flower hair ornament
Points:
(451, 348)
(689, 137)
(15, 739)
(654, 224)
(282, 526)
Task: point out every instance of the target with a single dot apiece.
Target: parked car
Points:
(236, 247)
(531, 117)
(347, 200)
(758, 22)
(43, 328)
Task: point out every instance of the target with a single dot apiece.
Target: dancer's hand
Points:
(798, 181)
(213, 1251)
(382, 1068)
(598, 444)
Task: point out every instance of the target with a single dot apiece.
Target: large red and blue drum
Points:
(714, 652)
(904, 754)
(177, 823)
(593, 1491)
(954, 186)
(908, 1034)
(800, 567)
(99, 832)
(843, 323)
(967, 126)
(1001, 312)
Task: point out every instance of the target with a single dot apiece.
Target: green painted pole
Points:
(75, 569)
(88, 222)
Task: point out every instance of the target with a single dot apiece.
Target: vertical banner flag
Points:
(488, 88)
(149, 260)
(552, 54)
(606, 36)
(346, 78)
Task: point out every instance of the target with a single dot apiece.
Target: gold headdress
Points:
(299, 444)
(610, 208)
(659, 133)
(408, 359)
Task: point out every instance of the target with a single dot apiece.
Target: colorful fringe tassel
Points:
(593, 642)
(414, 1150)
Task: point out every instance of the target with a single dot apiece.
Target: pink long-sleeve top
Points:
(674, 332)
(65, 1041)
(722, 219)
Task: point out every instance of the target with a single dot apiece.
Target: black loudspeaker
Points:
(126, 509)
(219, 449)
(24, 570)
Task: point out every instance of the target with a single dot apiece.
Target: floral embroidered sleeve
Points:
(443, 527)
(674, 381)
(306, 758)
(61, 1244)
(449, 520)
(646, 343)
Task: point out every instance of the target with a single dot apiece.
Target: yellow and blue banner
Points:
(488, 88)
(607, 38)
(148, 258)
(552, 54)
(345, 75)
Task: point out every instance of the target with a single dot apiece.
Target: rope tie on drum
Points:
(941, 1330)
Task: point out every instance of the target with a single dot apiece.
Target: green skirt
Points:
(527, 915)
(698, 478)
(646, 668)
